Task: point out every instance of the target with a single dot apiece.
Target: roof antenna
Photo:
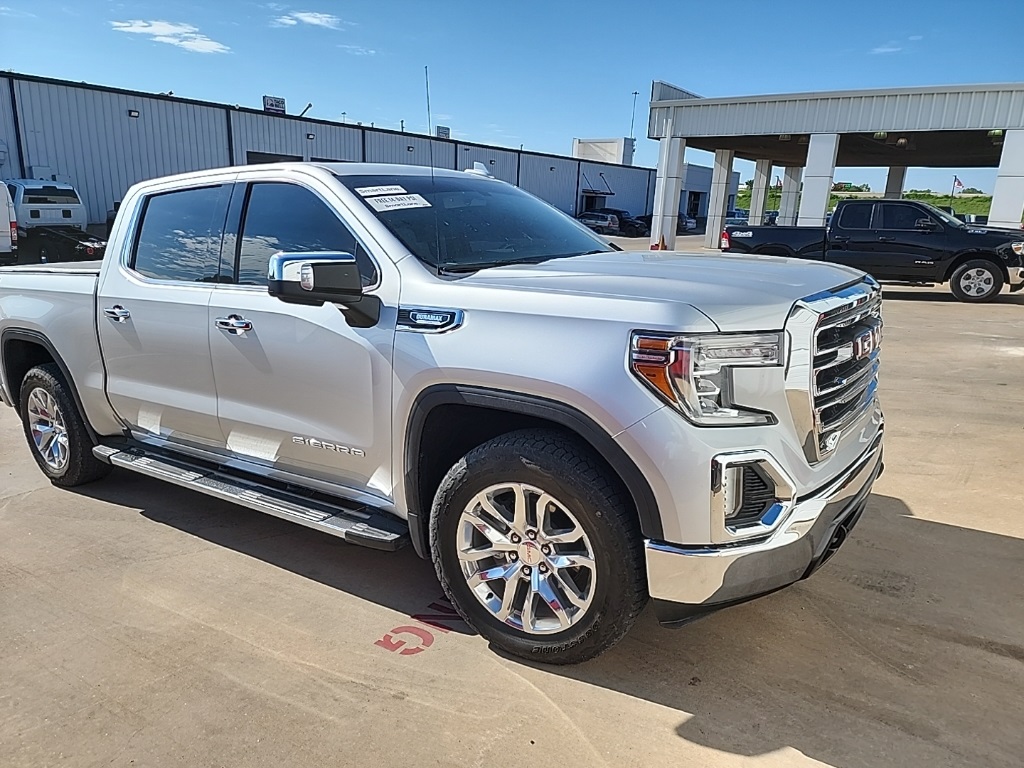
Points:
(430, 156)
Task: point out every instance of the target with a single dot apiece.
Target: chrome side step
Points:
(355, 523)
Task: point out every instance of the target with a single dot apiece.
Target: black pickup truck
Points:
(899, 241)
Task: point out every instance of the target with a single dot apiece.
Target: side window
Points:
(856, 216)
(896, 216)
(287, 217)
(12, 191)
(179, 237)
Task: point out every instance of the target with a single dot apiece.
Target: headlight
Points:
(1018, 248)
(694, 373)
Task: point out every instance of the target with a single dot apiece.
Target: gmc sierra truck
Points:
(899, 241)
(392, 355)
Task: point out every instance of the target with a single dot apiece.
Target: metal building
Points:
(103, 140)
(810, 134)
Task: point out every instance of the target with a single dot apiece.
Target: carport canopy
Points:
(810, 134)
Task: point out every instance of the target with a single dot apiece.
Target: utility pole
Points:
(633, 119)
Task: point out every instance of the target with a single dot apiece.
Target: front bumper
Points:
(687, 583)
(1016, 280)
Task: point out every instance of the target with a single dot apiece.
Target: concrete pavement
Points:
(143, 625)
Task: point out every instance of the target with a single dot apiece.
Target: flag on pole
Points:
(958, 186)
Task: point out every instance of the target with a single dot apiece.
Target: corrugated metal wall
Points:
(395, 148)
(11, 169)
(87, 137)
(628, 184)
(501, 163)
(550, 178)
(274, 135)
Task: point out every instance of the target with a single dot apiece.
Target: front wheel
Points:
(537, 547)
(976, 281)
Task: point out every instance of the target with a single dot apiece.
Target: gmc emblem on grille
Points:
(866, 343)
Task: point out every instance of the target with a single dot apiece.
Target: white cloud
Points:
(15, 13)
(915, 38)
(180, 35)
(887, 48)
(312, 18)
(357, 50)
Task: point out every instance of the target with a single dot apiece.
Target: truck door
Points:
(909, 242)
(153, 318)
(850, 239)
(300, 389)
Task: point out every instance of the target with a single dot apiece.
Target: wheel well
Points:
(773, 251)
(453, 430)
(448, 422)
(965, 257)
(20, 357)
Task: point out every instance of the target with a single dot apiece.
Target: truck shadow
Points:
(904, 649)
(400, 580)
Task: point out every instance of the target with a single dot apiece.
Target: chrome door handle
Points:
(885, 239)
(117, 313)
(233, 324)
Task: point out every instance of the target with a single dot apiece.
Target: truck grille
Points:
(846, 354)
(838, 369)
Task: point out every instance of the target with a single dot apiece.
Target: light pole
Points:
(343, 115)
(632, 121)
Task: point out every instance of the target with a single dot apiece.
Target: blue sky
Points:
(532, 73)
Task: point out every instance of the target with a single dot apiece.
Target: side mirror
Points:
(323, 277)
(926, 224)
(314, 278)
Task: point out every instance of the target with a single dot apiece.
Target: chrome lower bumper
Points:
(702, 579)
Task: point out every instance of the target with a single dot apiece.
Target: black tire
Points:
(570, 472)
(983, 274)
(81, 466)
(48, 254)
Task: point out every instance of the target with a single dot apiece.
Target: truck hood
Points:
(737, 292)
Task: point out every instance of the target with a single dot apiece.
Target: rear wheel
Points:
(55, 431)
(537, 547)
(976, 281)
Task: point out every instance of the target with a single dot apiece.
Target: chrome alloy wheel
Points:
(977, 281)
(49, 432)
(526, 558)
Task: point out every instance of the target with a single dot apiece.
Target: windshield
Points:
(450, 222)
(953, 221)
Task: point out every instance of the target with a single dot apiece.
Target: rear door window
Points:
(290, 218)
(180, 234)
(856, 216)
(900, 216)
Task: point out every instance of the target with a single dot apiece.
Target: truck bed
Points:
(57, 303)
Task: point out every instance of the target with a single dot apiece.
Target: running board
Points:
(355, 523)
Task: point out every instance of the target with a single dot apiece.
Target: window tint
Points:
(287, 217)
(180, 235)
(856, 216)
(451, 220)
(895, 216)
(12, 191)
(50, 196)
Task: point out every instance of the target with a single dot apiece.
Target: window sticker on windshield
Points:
(396, 202)
(390, 189)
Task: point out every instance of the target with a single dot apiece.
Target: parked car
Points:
(770, 219)
(52, 221)
(684, 224)
(629, 226)
(736, 221)
(8, 228)
(602, 223)
(902, 241)
(387, 366)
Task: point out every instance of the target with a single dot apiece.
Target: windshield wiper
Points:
(458, 267)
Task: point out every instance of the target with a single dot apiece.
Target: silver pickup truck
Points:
(392, 354)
